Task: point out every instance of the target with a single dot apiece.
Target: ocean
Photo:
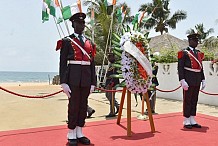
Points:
(16, 77)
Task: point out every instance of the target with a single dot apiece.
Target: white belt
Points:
(191, 69)
(79, 62)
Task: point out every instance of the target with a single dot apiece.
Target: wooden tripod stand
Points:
(129, 133)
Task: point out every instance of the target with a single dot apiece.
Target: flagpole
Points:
(57, 27)
(61, 30)
(53, 14)
(61, 7)
(108, 39)
(111, 26)
(110, 30)
(93, 33)
(120, 27)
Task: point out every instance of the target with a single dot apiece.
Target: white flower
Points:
(134, 83)
(124, 38)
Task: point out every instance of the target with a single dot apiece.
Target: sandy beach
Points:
(20, 112)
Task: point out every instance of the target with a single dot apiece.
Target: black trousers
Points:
(190, 100)
(77, 107)
(109, 96)
(153, 99)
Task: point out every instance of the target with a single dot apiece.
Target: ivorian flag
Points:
(109, 5)
(92, 16)
(121, 14)
(51, 5)
(109, 2)
(45, 15)
(57, 3)
(68, 11)
(135, 20)
(79, 6)
(139, 17)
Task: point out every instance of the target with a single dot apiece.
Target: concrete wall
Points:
(168, 80)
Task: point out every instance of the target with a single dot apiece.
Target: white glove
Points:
(184, 84)
(66, 89)
(203, 84)
(92, 89)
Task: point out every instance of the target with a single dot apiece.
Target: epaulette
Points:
(93, 46)
(180, 54)
(59, 44)
(90, 40)
(201, 55)
(94, 50)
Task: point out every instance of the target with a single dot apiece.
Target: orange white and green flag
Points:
(68, 11)
(109, 2)
(79, 6)
(57, 3)
(92, 16)
(121, 12)
(45, 13)
(141, 17)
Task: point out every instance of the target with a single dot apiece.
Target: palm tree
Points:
(160, 18)
(199, 28)
(102, 25)
(211, 42)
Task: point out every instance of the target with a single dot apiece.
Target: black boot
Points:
(110, 115)
(90, 113)
(72, 142)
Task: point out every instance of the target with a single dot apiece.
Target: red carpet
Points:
(169, 132)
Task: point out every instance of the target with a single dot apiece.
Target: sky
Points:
(27, 44)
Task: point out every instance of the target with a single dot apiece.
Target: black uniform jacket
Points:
(76, 74)
(110, 80)
(186, 60)
(154, 77)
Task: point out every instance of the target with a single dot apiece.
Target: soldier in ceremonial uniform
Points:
(191, 77)
(110, 85)
(77, 77)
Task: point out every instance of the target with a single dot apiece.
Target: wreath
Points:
(136, 73)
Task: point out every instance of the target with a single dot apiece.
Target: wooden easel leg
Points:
(121, 105)
(112, 102)
(149, 111)
(142, 116)
(143, 105)
(129, 133)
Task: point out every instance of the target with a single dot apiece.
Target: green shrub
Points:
(167, 55)
(209, 54)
